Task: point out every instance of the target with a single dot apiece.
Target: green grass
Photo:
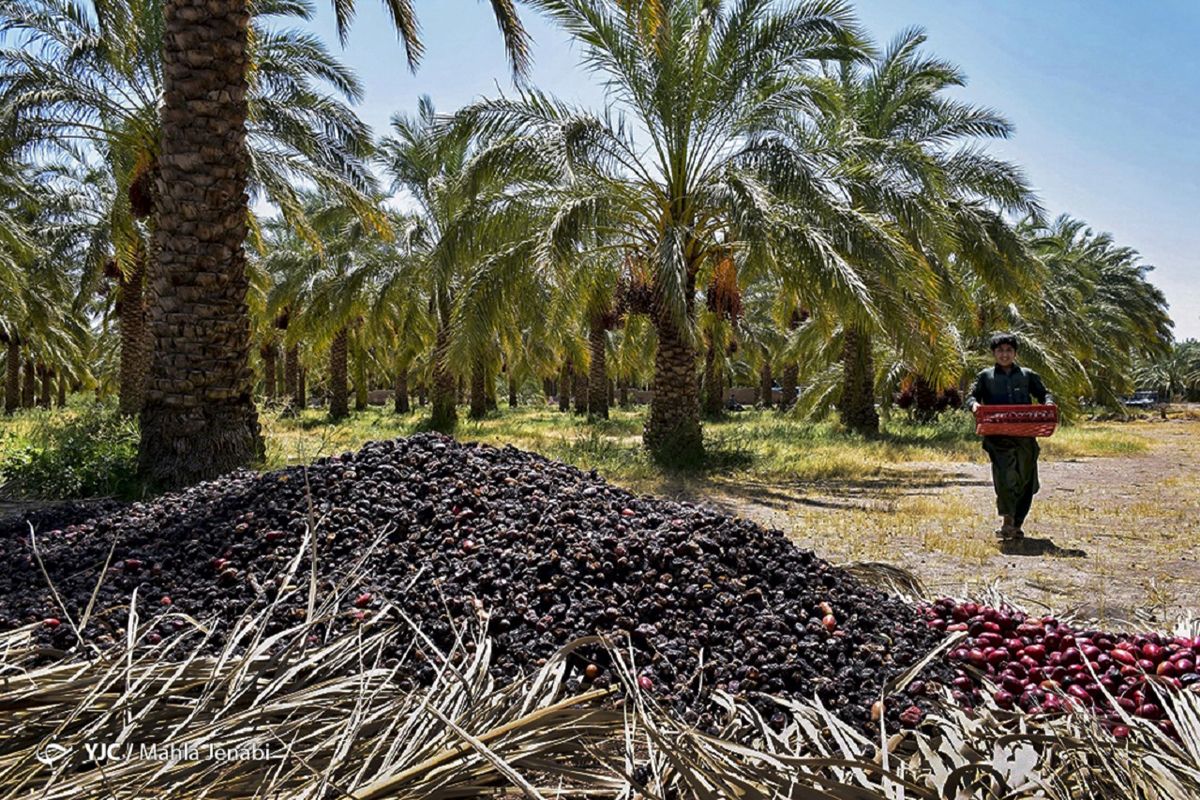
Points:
(85, 451)
(752, 444)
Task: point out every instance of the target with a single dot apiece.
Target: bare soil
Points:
(1111, 538)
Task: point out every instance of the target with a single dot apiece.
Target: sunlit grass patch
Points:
(755, 444)
(89, 450)
(1094, 439)
(752, 445)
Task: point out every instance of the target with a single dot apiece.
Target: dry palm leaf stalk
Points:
(329, 720)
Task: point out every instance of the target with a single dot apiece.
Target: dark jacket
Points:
(994, 386)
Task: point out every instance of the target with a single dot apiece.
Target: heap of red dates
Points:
(1042, 665)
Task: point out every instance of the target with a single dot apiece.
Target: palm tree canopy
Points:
(404, 18)
(467, 245)
(712, 88)
(906, 150)
(76, 85)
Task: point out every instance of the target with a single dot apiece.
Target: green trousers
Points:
(1014, 473)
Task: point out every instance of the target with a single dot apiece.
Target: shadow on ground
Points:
(1032, 546)
(834, 493)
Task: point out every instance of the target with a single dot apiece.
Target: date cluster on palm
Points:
(457, 534)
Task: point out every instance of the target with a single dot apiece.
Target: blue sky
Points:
(1105, 96)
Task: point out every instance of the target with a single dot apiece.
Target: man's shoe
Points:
(1008, 531)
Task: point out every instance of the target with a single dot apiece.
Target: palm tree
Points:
(1092, 320)
(463, 247)
(99, 78)
(583, 301)
(39, 321)
(406, 330)
(16, 249)
(1175, 375)
(633, 352)
(326, 290)
(715, 89)
(426, 161)
(719, 321)
(907, 152)
(200, 418)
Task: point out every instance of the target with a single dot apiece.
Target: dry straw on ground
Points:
(296, 715)
(329, 721)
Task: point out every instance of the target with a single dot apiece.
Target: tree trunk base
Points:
(857, 406)
(597, 379)
(339, 395)
(787, 397)
(291, 379)
(479, 400)
(766, 384)
(227, 434)
(445, 414)
(672, 433)
(402, 406)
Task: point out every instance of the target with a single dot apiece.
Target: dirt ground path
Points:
(1111, 537)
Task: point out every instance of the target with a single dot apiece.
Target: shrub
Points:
(89, 453)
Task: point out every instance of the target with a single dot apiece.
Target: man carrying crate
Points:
(1014, 458)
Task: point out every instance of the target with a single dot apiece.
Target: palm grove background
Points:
(770, 195)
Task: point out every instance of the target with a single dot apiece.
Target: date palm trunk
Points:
(402, 406)
(291, 376)
(714, 384)
(787, 398)
(766, 383)
(479, 400)
(512, 391)
(339, 395)
(131, 313)
(598, 370)
(623, 393)
(29, 387)
(12, 378)
(302, 389)
(791, 370)
(47, 384)
(270, 354)
(492, 401)
(672, 431)
(62, 390)
(924, 400)
(579, 388)
(445, 415)
(360, 378)
(857, 405)
(564, 386)
(198, 419)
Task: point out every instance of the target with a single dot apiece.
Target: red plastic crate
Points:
(1019, 420)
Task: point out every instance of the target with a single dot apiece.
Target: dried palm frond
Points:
(888, 578)
(306, 719)
(300, 720)
(723, 294)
